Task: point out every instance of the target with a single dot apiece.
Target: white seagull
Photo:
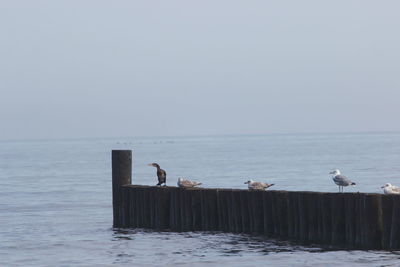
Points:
(257, 185)
(187, 183)
(341, 180)
(390, 189)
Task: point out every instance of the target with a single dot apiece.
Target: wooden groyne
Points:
(347, 220)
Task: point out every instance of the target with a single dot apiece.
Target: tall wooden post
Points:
(121, 175)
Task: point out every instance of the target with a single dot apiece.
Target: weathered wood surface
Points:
(121, 161)
(348, 220)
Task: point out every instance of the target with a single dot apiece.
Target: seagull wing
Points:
(341, 180)
(396, 189)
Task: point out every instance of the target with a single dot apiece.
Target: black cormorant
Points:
(161, 174)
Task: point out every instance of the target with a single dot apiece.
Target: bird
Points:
(341, 180)
(161, 174)
(390, 189)
(257, 185)
(187, 183)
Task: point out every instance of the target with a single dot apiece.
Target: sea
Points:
(56, 206)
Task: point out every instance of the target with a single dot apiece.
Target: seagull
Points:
(390, 189)
(161, 174)
(187, 183)
(257, 185)
(341, 180)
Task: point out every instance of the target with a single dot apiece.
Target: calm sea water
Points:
(55, 197)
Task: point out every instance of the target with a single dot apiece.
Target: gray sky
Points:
(135, 68)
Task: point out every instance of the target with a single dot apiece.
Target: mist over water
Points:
(55, 196)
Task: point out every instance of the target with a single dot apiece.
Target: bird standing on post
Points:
(390, 189)
(161, 174)
(257, 185)
(185, 183)
(341, 180)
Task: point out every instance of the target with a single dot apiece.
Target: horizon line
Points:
(194, 135)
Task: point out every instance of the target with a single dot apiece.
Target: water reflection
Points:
(152, 247)
(224, 243)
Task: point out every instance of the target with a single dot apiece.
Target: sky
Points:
(71, 69)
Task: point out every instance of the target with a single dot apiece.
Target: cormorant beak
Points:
(382, 186)
(246, 182)
(150, 164)
(331, 172)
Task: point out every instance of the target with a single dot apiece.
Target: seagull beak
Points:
(382, 186)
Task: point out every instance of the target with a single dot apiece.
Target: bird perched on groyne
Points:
(257, 185)
(341, 180)
(161, 174)
(185, 183)
(390, 189)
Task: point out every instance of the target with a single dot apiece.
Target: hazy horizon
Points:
(200, 136)
(74, 69)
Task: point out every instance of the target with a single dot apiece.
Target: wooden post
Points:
(121, 175)
(311, 199)
(209, 205)
(283, 213)
(244, 199)
(175, 221)
(350, 201)
(326, 211)
(185, 205)
(229, 211)
(350, 220)
(292, 217)
(338, 219)
(395, 229)
(256, 209)
(236, 214)
(274, 218)
(223, 216)
(303, 216)
(387, 209)
(196, 209)
(373, 223)
(162, 198)
(267, 214)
